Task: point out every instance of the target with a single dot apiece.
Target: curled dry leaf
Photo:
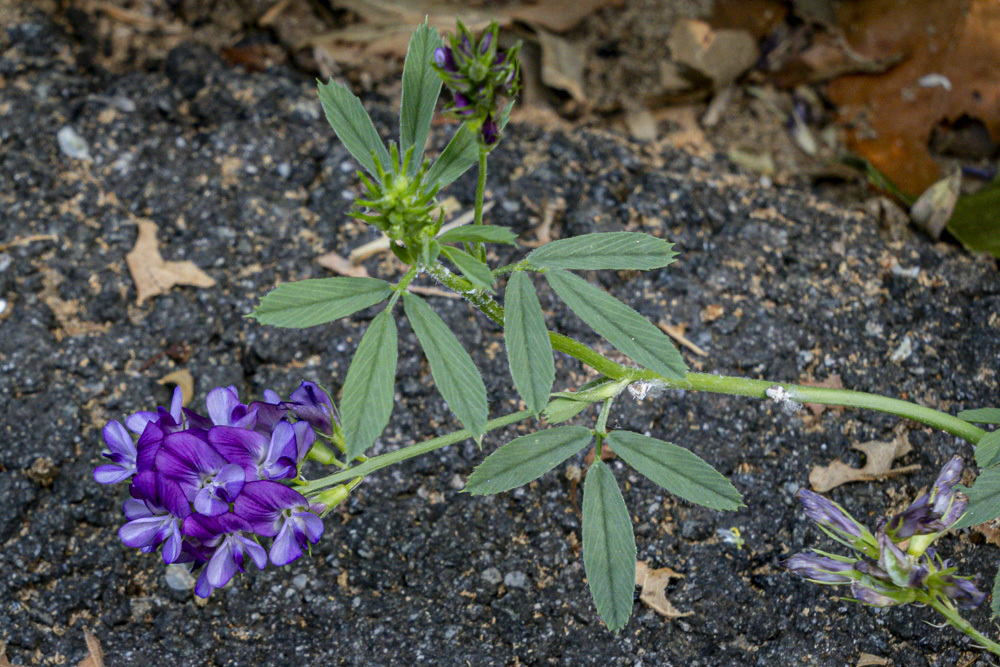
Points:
(869, 660)
(934, 207)
(878, 464)
(182, 378)
(654, 584)
(151, 274)
(95, 657)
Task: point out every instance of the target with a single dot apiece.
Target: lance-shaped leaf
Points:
(984, 499)
(627, 330)
(676, 469)
(306, 303)
(367, 400)
(981, 416)
(608, 546)
(478, 234)
(352, 124)
(988, 450)
(421, 88)
(457, 158)
(526, 458)
(478, 273)
(606, 250)
(995, 601)
(529, 350)
(454, 373)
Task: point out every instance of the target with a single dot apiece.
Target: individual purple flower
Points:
(892, 559)
(207, 479)
(869, 596)
(121, 452)
(168, 420)
(260, 457)
(932, 512)
(275, 510)
(227, 538)
(445, 59)
(311, 404)
(269, 412)
(463, 105)
(155, 512)
(820, 569)
(490, 131)
(832, 517)
(225, 409)
(962, 591)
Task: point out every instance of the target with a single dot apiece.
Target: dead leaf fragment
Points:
(878, 465)
(562, 64)
(720, 55)
(654, 584)
(182, 378)
(95, 657)
(151, 274)
(868, 660)
(934, 207)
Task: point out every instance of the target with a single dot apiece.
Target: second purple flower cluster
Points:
(206, 489)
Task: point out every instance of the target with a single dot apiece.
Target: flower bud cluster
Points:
(206, 489)
(477, 73)
(893, 566)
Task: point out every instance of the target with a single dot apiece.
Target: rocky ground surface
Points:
(245, 179)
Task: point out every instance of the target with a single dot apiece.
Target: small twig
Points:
(433, 291)
(28, 239)
(677, 333)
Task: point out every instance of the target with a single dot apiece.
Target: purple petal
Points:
(112, 474)
(136, 509)
(870, 597)
(172, 547)
(221, 402)
(822, 569)
(170, 496)
(202, 588)
(285, 548)
(176, 403)
(195, 420)
(187, 457)
(137, 422)
(240, 446)
(230, 480)
(262, 502)
(222, 566)
(312, 525)
(257, 553)
(148, 445)
(304, 439)
(141, 532)
(206, 502)
(118, 440)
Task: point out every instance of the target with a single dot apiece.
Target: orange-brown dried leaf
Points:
(152, 274)
(892, 114)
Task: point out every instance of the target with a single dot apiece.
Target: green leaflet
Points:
(526, 458)
(676, 469)
(529, 350)
(995, 602)
(421, 88)
(454, 373)
(478, 273)
(988, 450)
(608, 546)
(478, 234)
(352, 124)
(457, 158)
(627, 330)
(984, 499)
(306, 303)
(368, 390)
(981, 416)
(608, 250)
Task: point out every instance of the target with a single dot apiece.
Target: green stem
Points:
(480, 249)
(959, 623)
(379, 462)
(401, 286)
(719, 384)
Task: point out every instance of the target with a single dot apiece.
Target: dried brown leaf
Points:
(868, 660)
(934, 207)
(151, 274)
(183, 379)
(563, 62)
(4, 662)
(654, 584)
(720, 55)
(878, 464)
(95, 657)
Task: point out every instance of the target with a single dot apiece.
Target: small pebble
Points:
(284, 170)
(902, 352)
(492, 576)
(72, 144)
(5, 261)
(179, 577)
(299, 581)
(516, 579)
(3, 306)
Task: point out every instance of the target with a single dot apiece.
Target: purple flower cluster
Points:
(893, 566)
(205, 489)
(476, 72)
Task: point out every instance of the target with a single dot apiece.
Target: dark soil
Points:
(245, 179)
